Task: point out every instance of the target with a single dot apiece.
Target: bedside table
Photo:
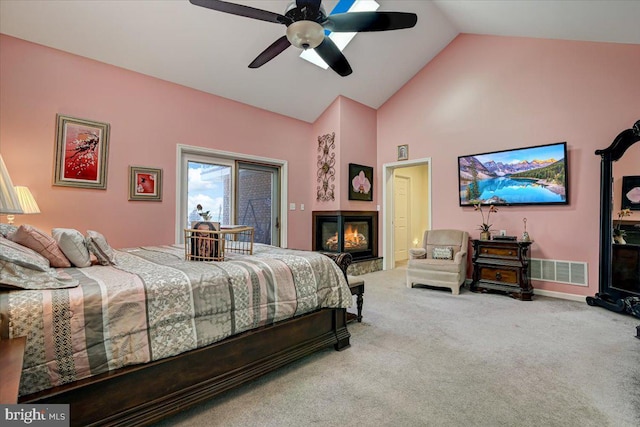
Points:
(11, 356)
(502, 265)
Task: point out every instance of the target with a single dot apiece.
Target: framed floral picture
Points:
(82, 148)
(145, 184)
(360, 182)
(631, 193)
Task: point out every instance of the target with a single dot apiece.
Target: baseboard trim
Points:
(560, 295)
(551, 294)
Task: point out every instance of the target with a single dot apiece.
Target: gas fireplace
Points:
(355, 232)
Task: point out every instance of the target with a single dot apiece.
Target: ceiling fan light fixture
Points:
(305, 34)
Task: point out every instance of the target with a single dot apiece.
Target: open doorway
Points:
(406, 199)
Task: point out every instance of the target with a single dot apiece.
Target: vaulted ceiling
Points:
(206, 50)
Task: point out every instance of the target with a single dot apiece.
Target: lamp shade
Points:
(27, 202)
(9, 203)
(305, 34)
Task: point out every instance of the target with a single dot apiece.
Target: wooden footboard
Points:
(143, 394)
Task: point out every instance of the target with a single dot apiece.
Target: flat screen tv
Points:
(521, 176)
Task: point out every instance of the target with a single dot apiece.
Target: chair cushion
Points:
(431, 264)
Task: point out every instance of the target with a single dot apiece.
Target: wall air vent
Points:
(571, 272)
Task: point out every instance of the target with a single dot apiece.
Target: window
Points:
(232, 188)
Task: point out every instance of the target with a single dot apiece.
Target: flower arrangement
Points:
(617, 231)
(485, 227)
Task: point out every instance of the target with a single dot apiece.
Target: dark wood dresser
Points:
(502, 265)
(625, 269)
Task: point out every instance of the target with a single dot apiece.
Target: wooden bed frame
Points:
(143, 394)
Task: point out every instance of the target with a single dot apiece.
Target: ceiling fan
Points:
(306, 21)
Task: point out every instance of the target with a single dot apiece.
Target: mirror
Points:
(610, 295)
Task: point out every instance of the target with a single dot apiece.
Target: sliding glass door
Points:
(257, 201)
(209, 186)
(230, 191)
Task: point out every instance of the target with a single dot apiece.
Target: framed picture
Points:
(631, 193)
(145, 184)
(403, 152)
(360, 182)
(81, 153)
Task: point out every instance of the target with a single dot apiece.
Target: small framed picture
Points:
(145, 184)
(403, 152)
(631, 193)
(81, 153)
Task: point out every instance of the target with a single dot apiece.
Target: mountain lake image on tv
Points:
(522, 176)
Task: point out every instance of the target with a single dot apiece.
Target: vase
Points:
(485, 235)
(619, 240)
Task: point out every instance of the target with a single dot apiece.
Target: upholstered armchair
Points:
(441, 261)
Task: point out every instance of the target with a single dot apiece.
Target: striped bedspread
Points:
(152, 304)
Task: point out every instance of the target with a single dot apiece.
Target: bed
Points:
(152, 334)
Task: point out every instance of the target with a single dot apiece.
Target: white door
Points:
(401, 218)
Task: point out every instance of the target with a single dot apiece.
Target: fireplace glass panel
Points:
(329, 236)
(356, 236)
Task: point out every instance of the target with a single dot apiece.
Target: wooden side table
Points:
(11, 357)
(502, 265)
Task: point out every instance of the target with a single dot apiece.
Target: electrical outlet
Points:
(301, 206)
(503, 232)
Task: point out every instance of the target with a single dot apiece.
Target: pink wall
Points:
(357, 145)
(487, 93)
(148, 118)
(326, 124)
(354, 125)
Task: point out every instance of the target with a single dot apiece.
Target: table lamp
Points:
(9, 202)
(27, 202)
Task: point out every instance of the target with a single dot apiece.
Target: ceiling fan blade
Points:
(275, 49)
(355, 22)
(330, 53)
(241, 10)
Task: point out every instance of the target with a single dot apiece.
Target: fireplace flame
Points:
(354, 240)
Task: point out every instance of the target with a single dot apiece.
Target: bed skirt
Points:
(143, 394)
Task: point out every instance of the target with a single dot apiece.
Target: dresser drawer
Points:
(499, 274)
(498, 252)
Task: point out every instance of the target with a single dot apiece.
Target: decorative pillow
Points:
(72, 244)
(98, 246)
(442, 253)
(42, 243)
(14, 253)
(6, 229)
(14, 276)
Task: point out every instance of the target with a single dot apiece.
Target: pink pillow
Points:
(40, 242)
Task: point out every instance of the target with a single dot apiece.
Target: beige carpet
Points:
(423, 357)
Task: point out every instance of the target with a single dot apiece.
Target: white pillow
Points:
(443, 253)
(72, 244)
(98, 246)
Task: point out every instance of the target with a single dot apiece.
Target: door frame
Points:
(181, 195)
(388, 253)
